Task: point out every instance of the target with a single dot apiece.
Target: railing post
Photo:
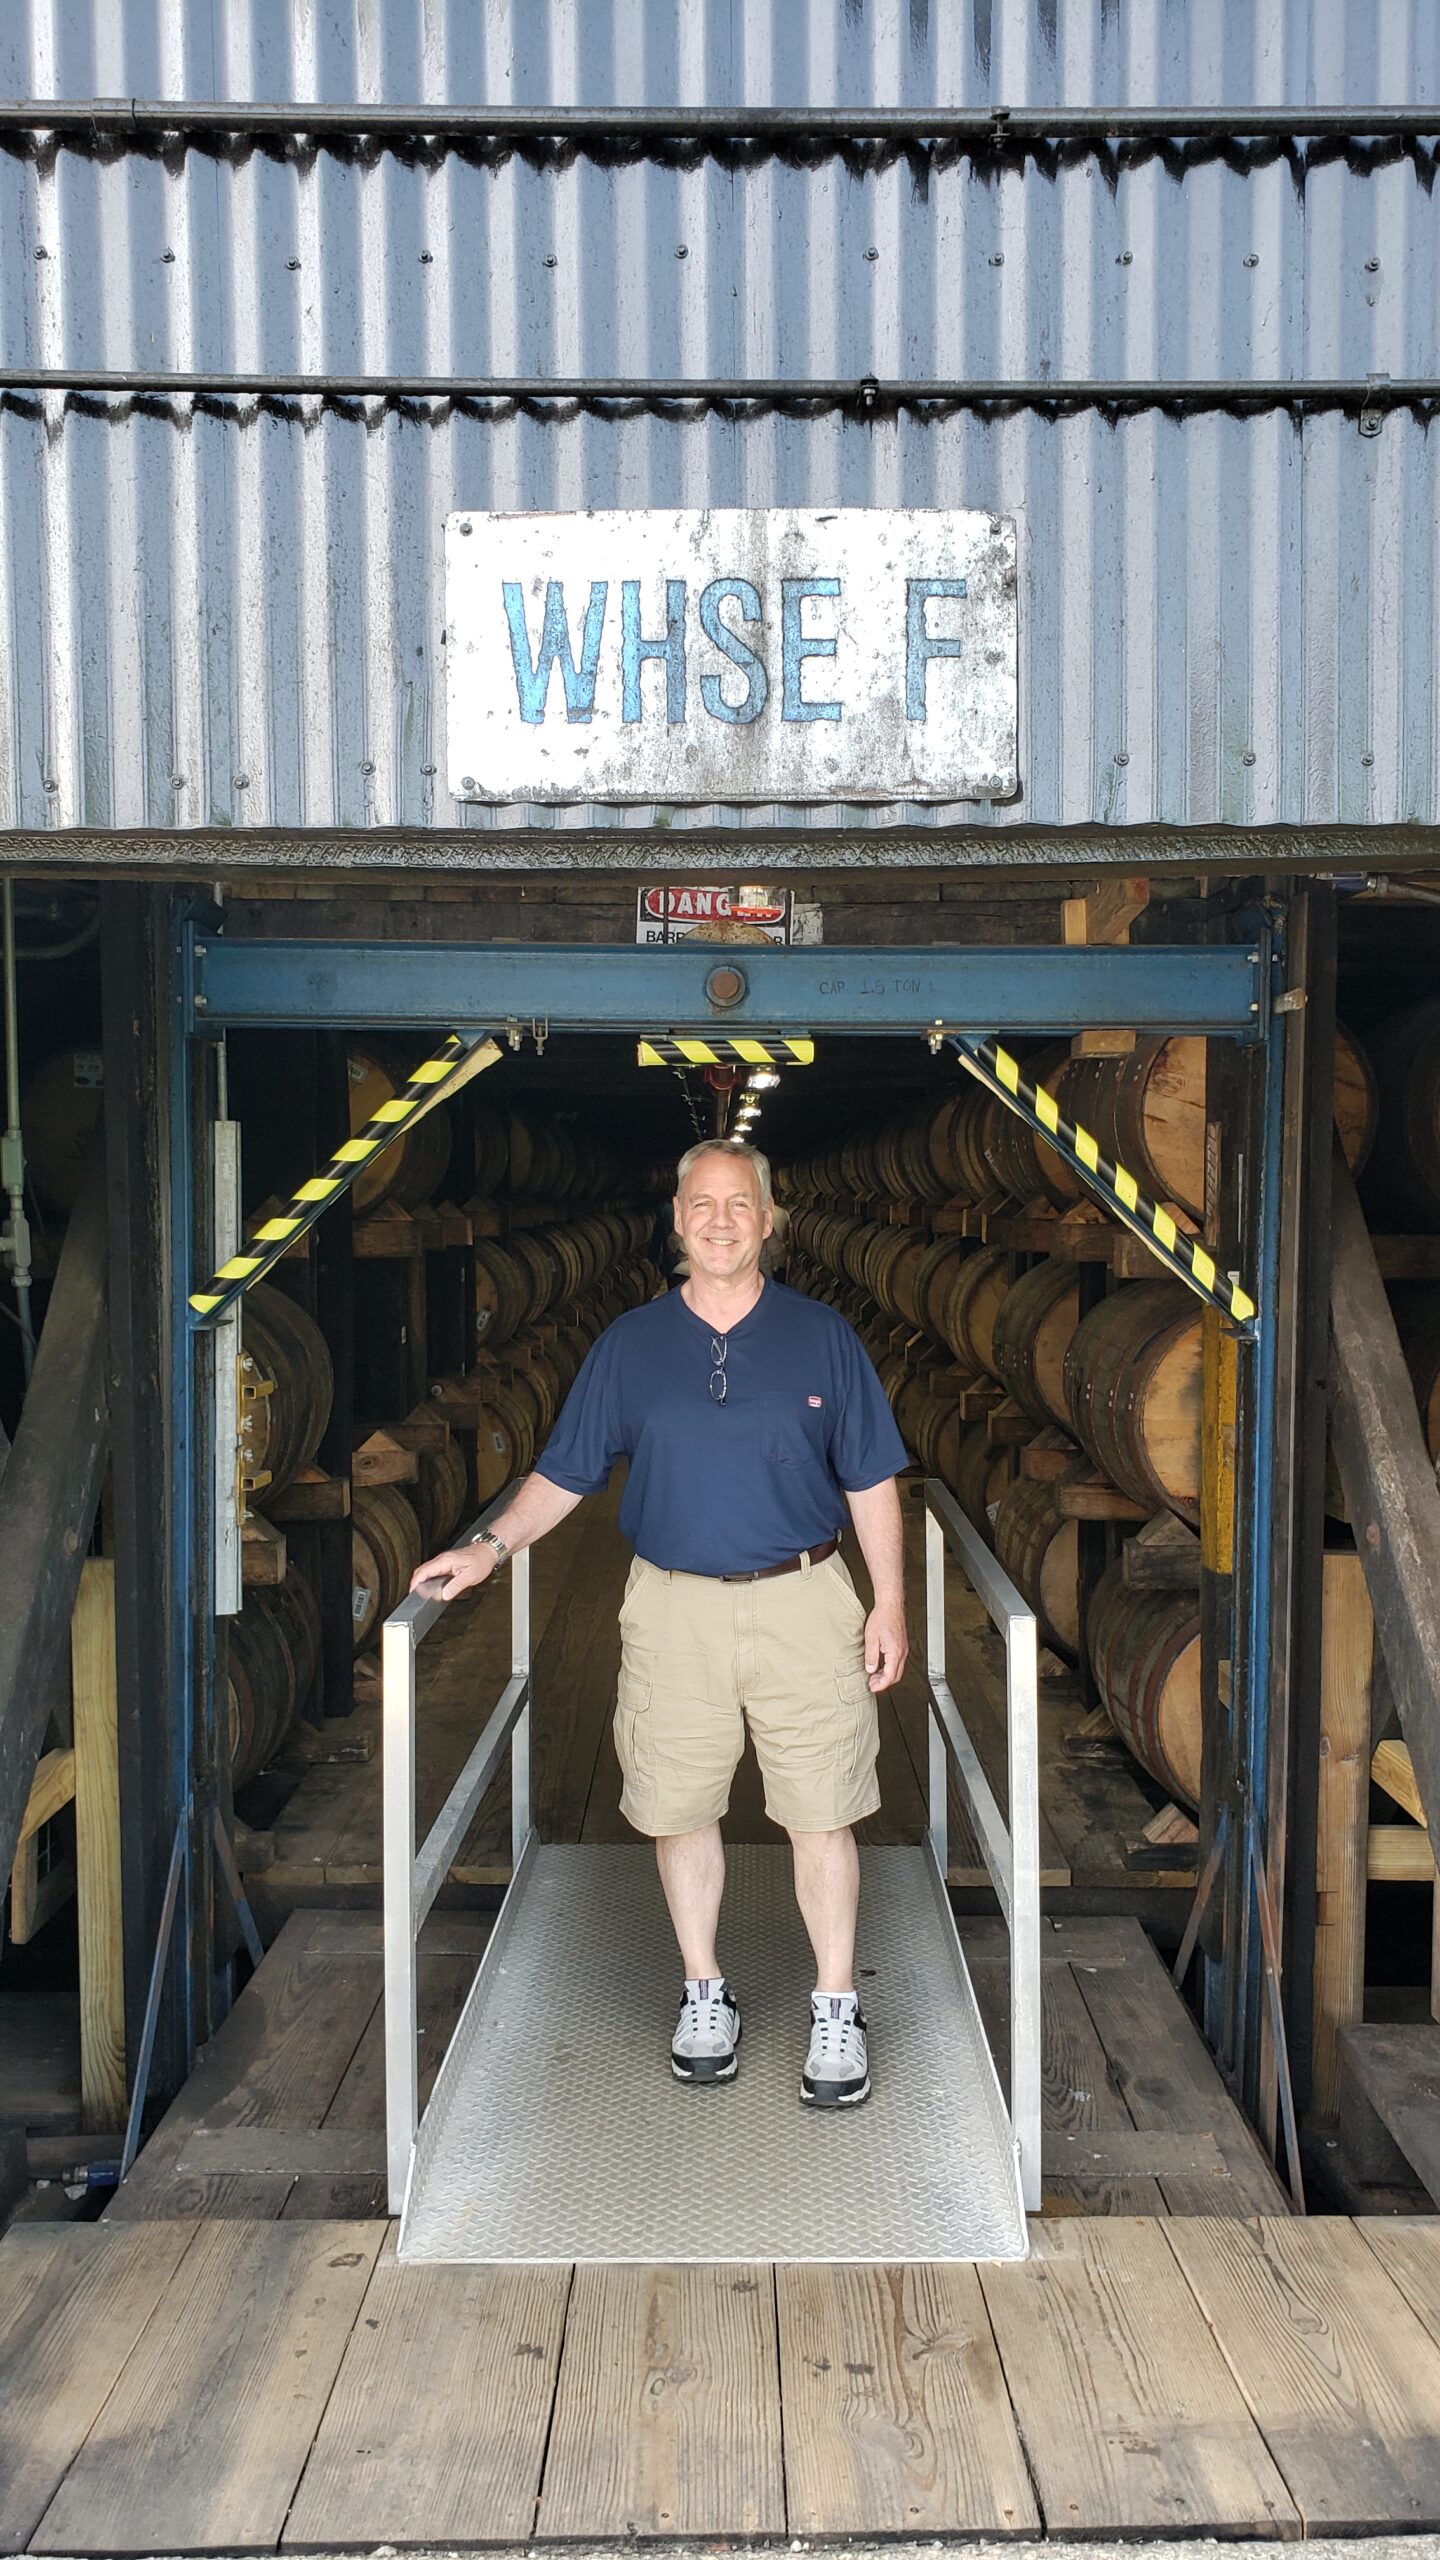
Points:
(402, 2090)
(1023, 1746)
(520, 1814)
(935, 1658)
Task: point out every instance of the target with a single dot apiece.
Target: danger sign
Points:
(710, 914)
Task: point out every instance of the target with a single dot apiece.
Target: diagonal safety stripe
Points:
(720, 1049)
(464, 1054)
(1001, 1074)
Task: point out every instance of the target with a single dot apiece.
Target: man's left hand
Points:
(887, 1647)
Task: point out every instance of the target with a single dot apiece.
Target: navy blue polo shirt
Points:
(733, 1487)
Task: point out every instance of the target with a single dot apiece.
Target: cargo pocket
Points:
(634, 1741)
(857, 1740)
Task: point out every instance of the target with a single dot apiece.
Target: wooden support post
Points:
(48, 1498)
(1389, 1486)
(1104, 914)
(1347, 1645)
(97, 1850)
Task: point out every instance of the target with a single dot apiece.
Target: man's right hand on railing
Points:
(536, 1506)
(458, 1569)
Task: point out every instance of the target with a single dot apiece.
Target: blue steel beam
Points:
(322, 985)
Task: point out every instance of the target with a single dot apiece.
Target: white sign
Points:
(732, 654)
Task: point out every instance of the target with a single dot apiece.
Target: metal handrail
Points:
(1011, 1851)
(414, 1876)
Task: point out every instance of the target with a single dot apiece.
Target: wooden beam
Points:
(1104, 914)
(48, 1497)
(1389, 1485)
(1347, 1643)
(53, 1789)
(1399, 1853)
(1393, 1769)
(97, 1850)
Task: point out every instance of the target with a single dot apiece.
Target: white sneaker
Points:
(837, 2066)
(703, 2045)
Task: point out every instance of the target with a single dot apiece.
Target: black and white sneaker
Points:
(837, 2066)
(703, 2046)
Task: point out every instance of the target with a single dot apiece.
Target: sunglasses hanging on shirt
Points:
(719, 1345)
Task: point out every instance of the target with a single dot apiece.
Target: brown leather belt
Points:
(792, 1564)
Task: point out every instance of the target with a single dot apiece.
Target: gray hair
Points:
(729, 1147)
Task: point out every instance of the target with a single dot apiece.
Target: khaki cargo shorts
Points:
(702, 1659)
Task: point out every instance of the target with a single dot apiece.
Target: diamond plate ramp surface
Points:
(556, 2130)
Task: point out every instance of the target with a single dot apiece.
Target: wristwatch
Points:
(488, 1538)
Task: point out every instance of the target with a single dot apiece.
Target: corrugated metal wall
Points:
(233, 615)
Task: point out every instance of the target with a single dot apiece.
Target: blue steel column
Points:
(1234, 1989)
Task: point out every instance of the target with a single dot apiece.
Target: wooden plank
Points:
(278, 2060)
(97, 1849)
(450, 1951)
(897, 2419)
(52, 1788)
(1399, 1853)
(667, 2416)
(1077, 2100)
(1408, 2249)
(48, 1495)
(1337, 2369)
(436, 2428)
(1347, 1647)
(1396, 2071)
(1131, 2418)
(1156, 2059)
(1389, 1486)
(73, 2301)
(1392, 1768)
(251, 2335)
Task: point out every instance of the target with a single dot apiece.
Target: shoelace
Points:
(843, 2031)
(712, 2008)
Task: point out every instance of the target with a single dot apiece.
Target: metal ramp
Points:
(556, 2131)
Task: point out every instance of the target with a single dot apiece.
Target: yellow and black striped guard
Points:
(1188, 1259)
(722, 1049)
(427, 1084)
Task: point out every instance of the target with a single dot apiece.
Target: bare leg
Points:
(692, 1871)
(827, 1888)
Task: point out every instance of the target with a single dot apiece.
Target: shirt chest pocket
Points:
(795, 1430)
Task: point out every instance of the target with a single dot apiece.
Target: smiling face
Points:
(721, 1217)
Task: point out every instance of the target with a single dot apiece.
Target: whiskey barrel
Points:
(981, 1477)
(1145, 1653)
(936, 1431)
(439, 1495)
(489, 1149)
(283, 1354)
(1034, 1327)
(1014, 1151)
(976, 1294)
(932, 1281)
(385, 1548)
(1406, 1162)
(1041, 1553)
(1148, 1112)
(502, 1291)
(1132, 1384)
(273, 1655)
(504, 1442)
(408, 1170)
(59, 1112)
(890, 1271)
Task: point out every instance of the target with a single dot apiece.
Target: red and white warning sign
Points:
(711, 914)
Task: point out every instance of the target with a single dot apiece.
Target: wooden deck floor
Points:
(242, 2385)
(283, 2117)
(323, 1845)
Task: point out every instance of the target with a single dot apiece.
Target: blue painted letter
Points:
(738, 651)
(532, 676)
(922, 645)
(794, 647)
(634, 649)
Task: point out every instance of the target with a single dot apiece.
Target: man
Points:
(752, 1419)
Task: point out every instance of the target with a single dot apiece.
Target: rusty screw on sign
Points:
(727, 987)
